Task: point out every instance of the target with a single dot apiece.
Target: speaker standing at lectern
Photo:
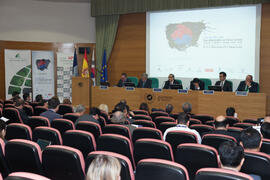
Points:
(225, 85)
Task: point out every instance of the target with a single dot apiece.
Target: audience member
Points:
(119, 118)
(104, 168)
(79, 110)
(39, 98)
(14, 95)
(125, 109)
(51, 114)
(3, 127)
(123, 79)
(144, 106)
(183, 122)
(251, 139)
(104, 108)
(187, 108)
(93, 117)
(265, 130)
(144, 82)
(19, 105)
(230, 111)
(169, 108)
(26, 98)
(67, 101)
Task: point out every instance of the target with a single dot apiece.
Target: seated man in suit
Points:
(170, 81)
(248, 85)
(144, 82)
(196, 84)
(123, 80)
(51, 114)
(225, 85)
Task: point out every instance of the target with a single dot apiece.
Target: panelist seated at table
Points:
(196, 84)
(123, 80)
(248, 85)
(169, 84)
(144, 82)
(225, 85)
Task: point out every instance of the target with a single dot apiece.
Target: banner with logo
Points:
(43, 73)
(64, 75)
(17, 72)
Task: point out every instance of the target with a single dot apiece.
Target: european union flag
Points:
(104, 75)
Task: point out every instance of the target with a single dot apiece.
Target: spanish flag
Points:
(85, 70)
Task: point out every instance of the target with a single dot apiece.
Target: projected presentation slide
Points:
(203, 42)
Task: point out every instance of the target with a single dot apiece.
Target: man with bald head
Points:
(221, 126)
(248, 85)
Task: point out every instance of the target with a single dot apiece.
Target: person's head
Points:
(3, 127)
(249, 78)
(187, 108)
(104, 108)
(15, 93)
(196, 81)
(222, 76)
(221, 122)
(26, 97)
(144, 76)
(19, 103)
(120, 107)
(66, 101)
(124, 76)
(144, 106)
(95, 112)
(251, 139)
(231, 155)
(171, 77)
(53, 103)
(118, 118)
(169, 108)
(123, 101)
(183, 118)
(80, 109)
(267, 119)
(230, 111)
(39, 98)
(265, 130)
(104, 167)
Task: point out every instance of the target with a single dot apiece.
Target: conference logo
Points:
(42, 64)
(184, 35)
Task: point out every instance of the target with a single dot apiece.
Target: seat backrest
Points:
(28, 110)
(117, 129)
(126, 166)
(155, 82)
(102, 121)
(64, 108)
(231, 120)
(146, 132)
(220, 174)
(152, 148)
(82, 140)
(145, 123)
(214, 140)
(141, 116)
(91, 127)
(207, 82)
(252, 121)
(194, 121)
(39, 109)
(179, 81)
(36, 121)
(62, 125)
(165, 125)
(141, 112)
(18, 131)
(71, 116)
(158, 113)
(202, 128)
(25, 176)
(23, 155)
(47, 133)
(134, 80)
(257, 163)
(174, 115)
(116, 143)
(13, 115)
(179, 137)
(63, 162)
(159, 169)
(160, 119)
(203, 117)
(4, 169)
(243, 125)
(265, 146)
(196, 156)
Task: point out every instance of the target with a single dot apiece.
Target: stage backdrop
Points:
(43, 73)
(17, 71)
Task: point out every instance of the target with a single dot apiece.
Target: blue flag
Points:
(104, 76)
(75, 71)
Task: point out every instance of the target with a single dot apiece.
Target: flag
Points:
(85, 70)
(75, 64)
(93, 73)
(104, 76)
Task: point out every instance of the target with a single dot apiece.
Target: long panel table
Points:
(251, 106)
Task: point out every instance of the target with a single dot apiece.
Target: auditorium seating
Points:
(36, 121)
(220, 174)
(179, 81)
(102, 121)
(214, 140)
(105, 116)
(243, 125)
(9, 106)
(194, 121)
(207, 82)
(165, 125)
(145, 123)
(196, 156)
(142, 117)
(134, 80)
(4, 169)
(48, 134)
(116, 143)
(202, 128)
(23, 155)
(64, 108)
(25, 176)
(158, 113)
(91, 127)
(160, 119)
(13, 115)
(174, 115)
(18, 131)
(265, 146)
(257, 163)
(210, 123)
(252, 121)
(82, 140)
(117, 129)
(63, 162)
(146, 132)
(126, 166)
(231, 120)
(158, 169)
(203, 117)
(39, 109)
(71, 116)
(62, 125)
(152, 148)
(28, 110)
(155, 82)
(141, 112)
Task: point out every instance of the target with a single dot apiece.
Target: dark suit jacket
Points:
(51, 115)
(23, 115)
(167, 84)
(201, 84)
(226, 86)
(121, 83)
(86, 117)
(224, 132)
(148, 84)
(253, 88)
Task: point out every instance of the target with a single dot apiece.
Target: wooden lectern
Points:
(81, 91)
